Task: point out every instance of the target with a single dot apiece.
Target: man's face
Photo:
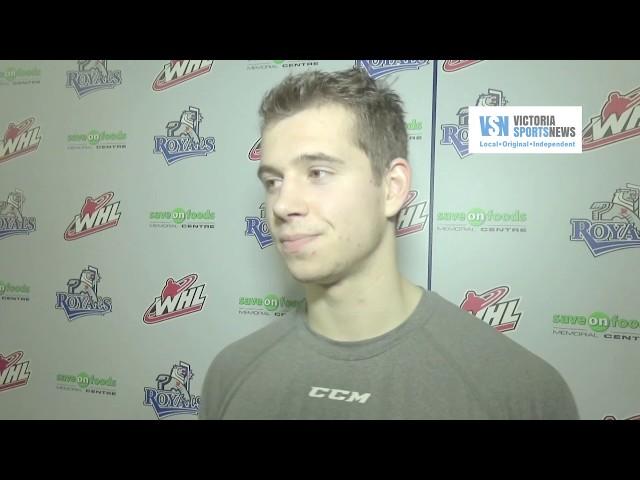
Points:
(324, 209)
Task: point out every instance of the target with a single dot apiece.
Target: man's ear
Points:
(397, 184)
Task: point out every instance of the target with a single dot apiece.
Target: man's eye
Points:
(317, 173)
(270, 183)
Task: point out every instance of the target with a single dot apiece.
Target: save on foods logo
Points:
(97, 140)
(480, 220)
(19, 76)
(457, 135)
(269, 305)
(87, 383)
(597, 325)
(183, 219)
(179, 71)
(494, 308)
(415, 129)
(619, 119)
(279, 64)
(19, 293)
(614, 225)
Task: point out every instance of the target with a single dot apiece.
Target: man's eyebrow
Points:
(304, 158)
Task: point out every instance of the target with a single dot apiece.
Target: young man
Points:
(369, 344)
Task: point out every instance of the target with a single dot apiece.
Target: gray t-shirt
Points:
(441, 363)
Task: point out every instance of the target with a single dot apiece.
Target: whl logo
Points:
(183, 138)
(178, 298)
(178, 71)
(12, 221)
(13, 372)
(618, 120)
(258, 227)
(412, 216)
(458, 135)
(19, 139)
(97, 214)
(91, 76)
(614, 225)
(256, 152)
(81, 298)
(455, 65)
(494, 126)
(488, 307)
(380, 68)
(173, 393)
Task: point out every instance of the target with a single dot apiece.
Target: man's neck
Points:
(362, 306)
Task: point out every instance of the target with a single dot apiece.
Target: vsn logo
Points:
(81, 298)
(618, 120)
(487, 307)
(455, 65)
(458, 135)
(13, 373)
(19, 139)
(178, 298)
(183, 138)
(178, 71)
(96, 215)
(12, 221)
(258, 227)
(494, 125)
(91, 76)
(614, 225)
(173, 393)
(379, 68)
(412, 217)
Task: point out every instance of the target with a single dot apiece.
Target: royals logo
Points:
(614, 225)
(97, 214)
(455, 65)
(256, 151)
(177, 299)
(13, 372)
(19, 139)
(173, 393)
(618, 120)
(380, 68)
(91, 76)
(412, 216)
(488, 307)
(183, 138)
(458, 135)
(12, 221)
(258, 227)
(81, 298)
(178, 71)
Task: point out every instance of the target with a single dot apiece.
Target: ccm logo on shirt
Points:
(336, 394)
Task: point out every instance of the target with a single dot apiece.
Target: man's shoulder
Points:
(467, 337)
(244, 351)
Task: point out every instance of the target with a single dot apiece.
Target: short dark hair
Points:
(380, 129)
